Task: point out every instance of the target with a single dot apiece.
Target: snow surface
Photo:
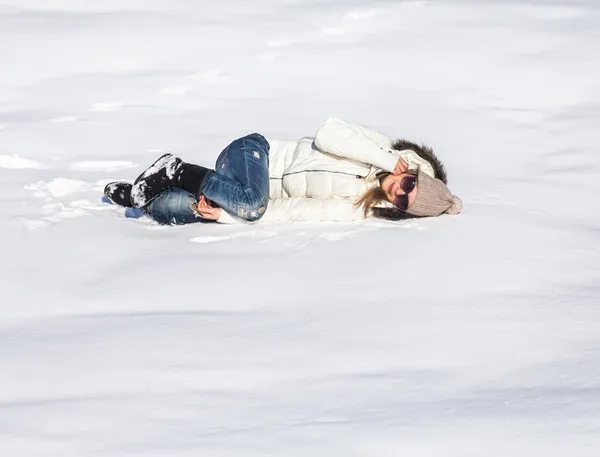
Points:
(475, 335)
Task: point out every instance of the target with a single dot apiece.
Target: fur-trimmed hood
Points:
(426, 153)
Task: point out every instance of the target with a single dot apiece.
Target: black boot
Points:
(119, 192)
(167, 172)
(191, 177)
(154, 180)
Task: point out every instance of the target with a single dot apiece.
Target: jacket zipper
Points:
(321, 171)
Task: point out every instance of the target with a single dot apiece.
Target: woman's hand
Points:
(401, 167)
(207, 211)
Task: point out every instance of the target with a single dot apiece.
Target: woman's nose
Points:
(398, 189)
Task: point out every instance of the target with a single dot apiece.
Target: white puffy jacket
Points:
(320, 178)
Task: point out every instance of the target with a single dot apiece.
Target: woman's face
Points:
(391, 187)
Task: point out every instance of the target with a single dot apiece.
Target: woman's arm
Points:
(312, 210)
(356, 142)
(303, 210)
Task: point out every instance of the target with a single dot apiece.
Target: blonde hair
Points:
(373, 196)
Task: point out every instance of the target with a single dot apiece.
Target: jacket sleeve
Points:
(226, 218)
(356, 142)
(312, 210)
(304, 210)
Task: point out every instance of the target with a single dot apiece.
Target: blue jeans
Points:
(174, 207)
(239, 185)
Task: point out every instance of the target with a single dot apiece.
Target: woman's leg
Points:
(240, 183)
(119, 192)
(167, 172)
(173, 207)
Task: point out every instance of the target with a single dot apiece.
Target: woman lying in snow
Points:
(346, 172)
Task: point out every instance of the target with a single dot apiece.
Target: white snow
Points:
(57, 187)
(210, 239)
(106, 106)
(176, 90)
(475, 335)
(66, 118)
(17, 162)
(102, 165)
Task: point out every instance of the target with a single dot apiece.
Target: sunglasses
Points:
(407, 184)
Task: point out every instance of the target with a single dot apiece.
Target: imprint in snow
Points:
(410, 224)
(176, 90)
(358, 15)
(16, 162)
(58, 212)
(51, 208)
(330, 31)
(256, 234)
(278, 43)
(33, 224)
(154, 225)
(65, 119)
(336, 236)
(106, 106)
(87, 205)
(67, 213)
(210, 239)
(102, 165)
(58, 187)
(380, 224)
(208, 76)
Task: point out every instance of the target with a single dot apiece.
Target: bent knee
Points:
(252, 213)
(259, 139)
